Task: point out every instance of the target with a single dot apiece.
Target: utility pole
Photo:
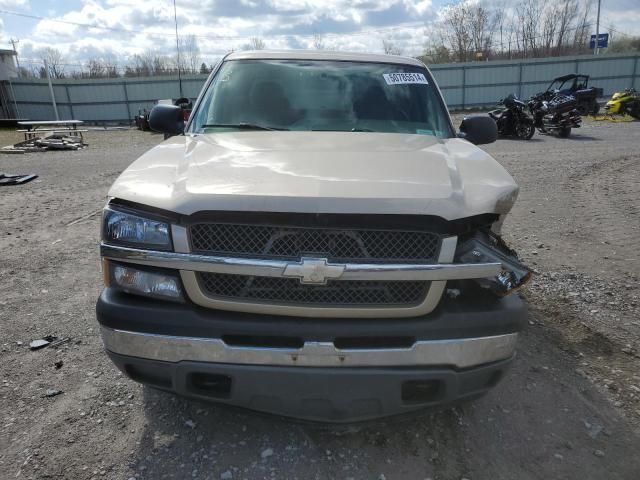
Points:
(13, 43)
(53, 97)
(596, 49)
(175, 18)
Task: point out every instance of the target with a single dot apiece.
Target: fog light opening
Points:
(209, 384)
(421, 391)
(147, 375)
(494, 379)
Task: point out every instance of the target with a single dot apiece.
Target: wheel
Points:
(525, 130)
(564, 132)
(595, 107)
(634, 110)
(583, 109)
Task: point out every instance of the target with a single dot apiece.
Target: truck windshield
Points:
(305, 95)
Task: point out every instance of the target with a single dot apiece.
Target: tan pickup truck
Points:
(317, 242)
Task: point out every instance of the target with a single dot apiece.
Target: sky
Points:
(135, 26)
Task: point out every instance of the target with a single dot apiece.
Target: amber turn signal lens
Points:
(106, 275)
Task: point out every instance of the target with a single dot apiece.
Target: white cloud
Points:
(134, 26)
(12, 4)
(223, 25)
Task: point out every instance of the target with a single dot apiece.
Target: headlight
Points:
(484, 247)
(148, 283)
(131, 229)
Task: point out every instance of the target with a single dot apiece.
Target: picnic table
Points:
(35, 128)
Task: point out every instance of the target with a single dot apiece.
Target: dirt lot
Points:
(570, 408)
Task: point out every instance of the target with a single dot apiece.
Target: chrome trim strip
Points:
(459, 353)
(276, 268)
(188, 264)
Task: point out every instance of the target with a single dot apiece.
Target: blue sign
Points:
(603, 41)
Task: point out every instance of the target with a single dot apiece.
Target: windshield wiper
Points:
(243, 126)
(354, 129)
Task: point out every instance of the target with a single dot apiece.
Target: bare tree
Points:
(318, 42)
(468, 29)
(95, 68)
(529, 13)
(148, 64)
(189, 54)
(567, 15)
(435, 54)
(455, 30)
(623, 43)
(482, 25)
(54, 60)
(24, 72)
(106, 67)
(110, 63)
(550, 24)
(255, 43)
(390, 48)
(583, 26)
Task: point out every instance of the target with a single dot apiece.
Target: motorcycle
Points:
(513, 120)
(624, 102)
(554, 112)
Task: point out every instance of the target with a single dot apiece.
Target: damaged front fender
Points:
(486, 246)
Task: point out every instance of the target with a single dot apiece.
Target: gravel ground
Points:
(570, 407)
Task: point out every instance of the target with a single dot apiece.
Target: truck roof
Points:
(323, 55)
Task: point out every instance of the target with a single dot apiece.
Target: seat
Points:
(374, 104)
(269, 105)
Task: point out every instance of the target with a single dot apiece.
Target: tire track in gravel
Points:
(612, 191)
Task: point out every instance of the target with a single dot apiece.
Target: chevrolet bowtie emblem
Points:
(314, 271)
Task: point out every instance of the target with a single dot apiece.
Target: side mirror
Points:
(167, 119)
(479, 130)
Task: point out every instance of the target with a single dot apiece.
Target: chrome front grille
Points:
(357, 289)
(289, 291)
(337, 245)
(317, 252)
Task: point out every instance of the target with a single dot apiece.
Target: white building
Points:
(8, 67)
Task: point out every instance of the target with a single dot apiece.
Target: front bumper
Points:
(318, 394)
(457, 352)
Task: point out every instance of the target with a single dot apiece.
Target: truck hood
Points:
(318, 172)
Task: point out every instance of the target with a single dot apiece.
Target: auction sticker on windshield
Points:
(404, 78)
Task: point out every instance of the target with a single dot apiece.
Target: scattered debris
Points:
(42, 342)
(15, 179)
(59, 342)
(598, 453)
(10, 149)
(226, 475)
(58, 364)
(48, 341)
(85, 217)
(190, 423)
(56, 141)
(52, 392)
(267, 453)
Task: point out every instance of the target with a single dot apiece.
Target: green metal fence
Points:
(464, 85)
(477, 84)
